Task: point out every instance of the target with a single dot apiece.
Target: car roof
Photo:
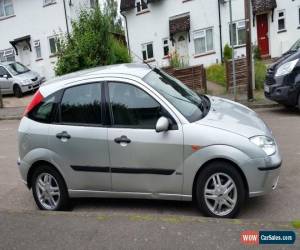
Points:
(130, 69)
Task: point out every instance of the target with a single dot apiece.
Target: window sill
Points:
(298, 28)
(48, 4)
(142, 12)
(39, 59)
(205, 54)
(149, 60)
(281, 31)
(6, 17)
(184, 1)
(166, 57)
(53, 55)
(240, 46)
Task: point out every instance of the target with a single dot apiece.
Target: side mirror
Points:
(162, 125)
(5, 76)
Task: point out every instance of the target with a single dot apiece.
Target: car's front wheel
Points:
(18, 91)
(49, 189)
(220, 190)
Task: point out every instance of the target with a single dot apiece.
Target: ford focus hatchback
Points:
(129, 131)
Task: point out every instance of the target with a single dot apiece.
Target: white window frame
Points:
(37, 44)
(140, 5)
(5, 14)
(281, 18)
(6, 53)
(51, 37)
(202, 33)
(145, 48)
(166, 45)
(239, 25)
(48, 2)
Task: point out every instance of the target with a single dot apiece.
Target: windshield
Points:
(17, 68)
(296, 46)
(191, 105)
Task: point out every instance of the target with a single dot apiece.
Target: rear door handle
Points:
(122, 139)
(63, 135)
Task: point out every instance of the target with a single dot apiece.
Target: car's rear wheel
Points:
(17, 91)
(220, 190)
(49, 189)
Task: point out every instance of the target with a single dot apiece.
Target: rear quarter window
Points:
(46, 110)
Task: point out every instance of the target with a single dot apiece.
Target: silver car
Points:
(129, 131)
(17, 79)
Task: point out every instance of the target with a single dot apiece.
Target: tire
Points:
(17, 91)
(54, 184)
(215, 202)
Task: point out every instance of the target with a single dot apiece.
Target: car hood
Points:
(235, 118)
(28, 75)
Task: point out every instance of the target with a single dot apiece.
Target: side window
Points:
(45, 111)
(3, 72)
(82, 105)
(131, 107)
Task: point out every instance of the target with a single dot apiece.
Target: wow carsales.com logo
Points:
(267, 237)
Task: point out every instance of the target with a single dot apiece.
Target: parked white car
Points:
(17, 79)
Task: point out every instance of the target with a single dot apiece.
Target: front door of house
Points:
(263, 34)
(25, 54)
(182, 48)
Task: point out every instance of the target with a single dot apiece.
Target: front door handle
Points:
(122, 139)
(63, 135)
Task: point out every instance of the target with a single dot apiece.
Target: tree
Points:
(111, 11)
(90, 44)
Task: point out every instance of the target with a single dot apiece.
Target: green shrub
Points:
(227, 53)
(90, 44)
(216, 73)
(256, 53)
(260, 74)
(175, 60)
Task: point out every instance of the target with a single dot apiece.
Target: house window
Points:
(299, 15)
(166, 46)
(281, 20)
(239, 33)
(37, 47)
(203, 41)
(147, 50)
(6, 8)
(53, 43)
(141, 5)
(48, 2)
(7, 55)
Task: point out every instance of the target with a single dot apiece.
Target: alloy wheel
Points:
(220, 194)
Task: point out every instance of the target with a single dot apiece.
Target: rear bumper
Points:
(23, 169)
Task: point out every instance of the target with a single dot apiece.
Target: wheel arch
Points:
(206, 164)
(36, 165)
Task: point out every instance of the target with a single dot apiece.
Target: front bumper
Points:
(263, 174)
(30, 87)
(281, 90)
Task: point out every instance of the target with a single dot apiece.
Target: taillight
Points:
(36, 100)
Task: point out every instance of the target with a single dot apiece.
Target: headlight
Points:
(26, 82)
(267, 144)
(286, 68)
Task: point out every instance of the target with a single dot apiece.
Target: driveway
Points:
(281, 205)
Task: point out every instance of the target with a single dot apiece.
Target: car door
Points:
(80, 141)
(5, 82)
(142, 160)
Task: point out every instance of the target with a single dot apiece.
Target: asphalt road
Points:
(282, 206)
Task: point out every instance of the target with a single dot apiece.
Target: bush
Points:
(90, 44)
(256, 53)
(175, 61)
(216, 73)
(260, 74)
(227, 53)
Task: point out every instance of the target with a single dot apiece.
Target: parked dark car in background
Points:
(283, 79)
